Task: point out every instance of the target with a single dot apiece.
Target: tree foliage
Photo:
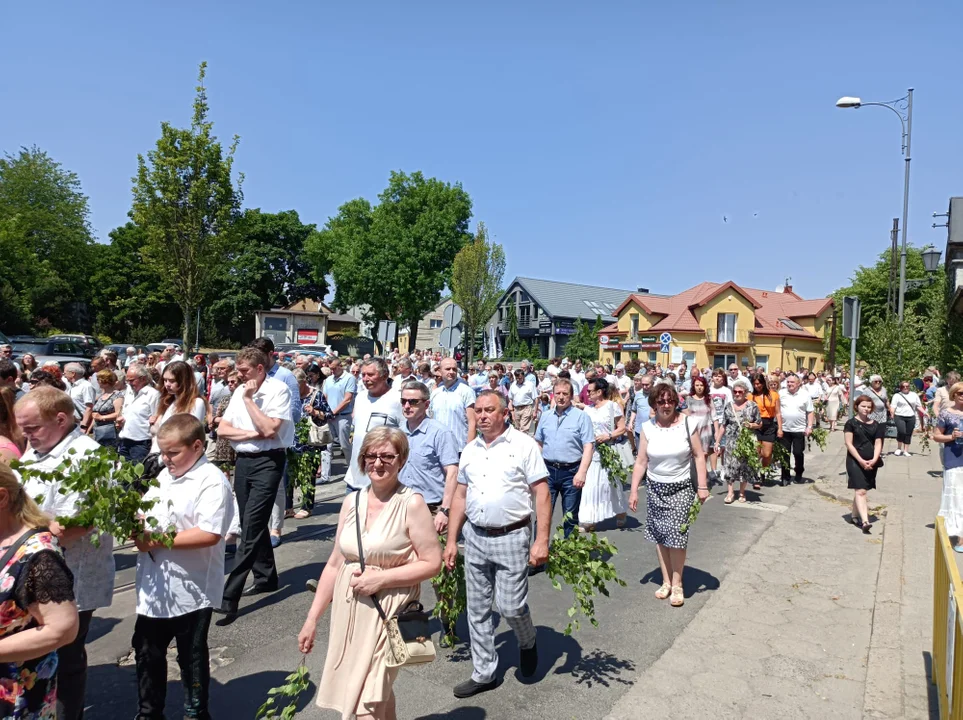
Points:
(45, 242)
(476, 283)
(186, 202)
(583, 344)
(395, 257)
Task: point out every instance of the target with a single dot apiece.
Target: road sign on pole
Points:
(851, 312)
(450, 337)
(453, 315)
(387, 331)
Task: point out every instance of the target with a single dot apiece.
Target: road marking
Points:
(756, 505)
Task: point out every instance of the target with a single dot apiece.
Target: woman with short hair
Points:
(107, 408)
(400, 551)
(904, 408)
(667, 448)
(877, 393)
(739, 413)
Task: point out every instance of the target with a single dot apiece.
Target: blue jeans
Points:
(560, 482)
(133, 450)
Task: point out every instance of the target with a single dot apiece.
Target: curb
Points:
(821, 489)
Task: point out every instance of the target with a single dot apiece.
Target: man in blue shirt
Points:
(453, 404)
(567, 439)
(339, 390)
(432, 467)
(478, 381)
(530, 376)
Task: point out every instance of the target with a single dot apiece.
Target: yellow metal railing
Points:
(947, 666)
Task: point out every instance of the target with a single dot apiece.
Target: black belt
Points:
(504, 530)
(563, 466)
(262, 453)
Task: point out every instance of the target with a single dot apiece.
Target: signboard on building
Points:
(631, 346)
(650, 339)
(544, 326)
(307, 336)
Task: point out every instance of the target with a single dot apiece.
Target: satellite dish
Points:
(780, 288)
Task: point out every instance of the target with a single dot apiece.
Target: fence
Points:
(947, 666)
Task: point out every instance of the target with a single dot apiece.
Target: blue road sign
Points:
(665, 338)
(665, 347)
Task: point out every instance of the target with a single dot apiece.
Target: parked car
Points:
(89, 343)
(47, 348)
(4, 340)
(175, 341)
(121, 350)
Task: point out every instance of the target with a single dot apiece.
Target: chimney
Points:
(787, 288)
(643, 291)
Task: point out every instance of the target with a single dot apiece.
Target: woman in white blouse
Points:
(178, 396)
(903, 408)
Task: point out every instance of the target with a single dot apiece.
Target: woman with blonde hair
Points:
(107, 408)
(36, 594)
(390, 527)
(12, 443)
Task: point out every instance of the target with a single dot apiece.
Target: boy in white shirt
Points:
(178, 588)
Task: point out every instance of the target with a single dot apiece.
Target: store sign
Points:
(631, 346)
(544, 326)
(650, 339)
(307, 337)
(564, 330)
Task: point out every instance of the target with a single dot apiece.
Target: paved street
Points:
(778, 621)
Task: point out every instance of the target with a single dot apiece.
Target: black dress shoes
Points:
(470, 687)
(528, 662)
(259, 590)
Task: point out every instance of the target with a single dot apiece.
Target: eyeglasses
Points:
(664, 403)
(386, 458)
(414, 402)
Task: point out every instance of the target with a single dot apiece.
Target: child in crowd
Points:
(177, 588)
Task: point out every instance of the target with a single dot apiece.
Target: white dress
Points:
(600, 499)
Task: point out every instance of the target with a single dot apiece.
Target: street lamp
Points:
(931, 262)
(904, 111)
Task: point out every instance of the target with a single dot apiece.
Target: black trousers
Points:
(256, 481)
(904, 428)
(151, 638)
(72, 672)
(795, 443)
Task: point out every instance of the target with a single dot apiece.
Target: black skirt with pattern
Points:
(667, 507)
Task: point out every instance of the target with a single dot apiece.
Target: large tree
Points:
(186, 201)
(264, 267)
(476, 283)
(395, 257)
(583, 343)
(45, 243)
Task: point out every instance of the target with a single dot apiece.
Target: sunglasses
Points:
(414, 402)
(386, 458)
(664, 403)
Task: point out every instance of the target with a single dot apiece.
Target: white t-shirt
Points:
(274, 400)
(521, 395)
(370, 413)
(92, 566)
(668, 451)
(794, 409)
(578, 381)
(720, 397)
(625, 384)
(449, 406)
(138, 409)
(177, 582)
(905, 404)
(83, 394)
(199, 411)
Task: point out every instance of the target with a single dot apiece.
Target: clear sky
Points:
(600, 142)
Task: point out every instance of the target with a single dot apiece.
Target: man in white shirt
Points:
(578, 377)
(376, 406)
(501, 477)
(797, 423)
(81, 392)
(521, 402)
(258, 425)
(46, 417)
(130, 356)
(140, 404)
(405, 372)
(453, 404)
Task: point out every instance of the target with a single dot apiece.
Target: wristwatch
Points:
(444, 511)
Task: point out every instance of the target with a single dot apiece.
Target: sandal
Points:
(288, 514)
(663, 592)
(729, 500)
(742, 498)
(302, 514)
(678, 597)
(756, 486)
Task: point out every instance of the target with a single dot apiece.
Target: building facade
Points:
(546, 311)
(717, 324)
(305, 322)
(429, 330)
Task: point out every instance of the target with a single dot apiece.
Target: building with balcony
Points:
(954, 254)
(547, 310)
(717, 324)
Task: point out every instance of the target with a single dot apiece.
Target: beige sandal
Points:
(678, 597)
(663, 592)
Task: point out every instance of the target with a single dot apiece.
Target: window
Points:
(276, 323)
(791, 324)
(653, 357)
(726, 327)
(617, 355)
(723, 361)
(501, 314)
(436, 324)
(764, 361)
(689, 358)
(800, 363)
(635, 324)
(524, 315)
(812, 363)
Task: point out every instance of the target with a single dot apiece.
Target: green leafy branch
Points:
(820, 436)
(303, 462)
(612, 464)
(691, 515)
(581, 562)
(294, 684)
(110, 495)
(747, 449)
(449, 586)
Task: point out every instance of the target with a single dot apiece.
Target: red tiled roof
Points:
(769, 305)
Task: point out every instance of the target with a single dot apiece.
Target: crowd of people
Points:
(479, 457)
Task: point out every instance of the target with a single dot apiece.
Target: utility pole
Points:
(891, 289)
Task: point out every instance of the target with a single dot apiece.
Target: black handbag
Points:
(152, 466)
(409, 634)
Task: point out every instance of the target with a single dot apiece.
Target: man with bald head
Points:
(453, 404)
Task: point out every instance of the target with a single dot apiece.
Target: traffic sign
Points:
(387, 331)
(664, 347)
(452, 315)
(450, 337)
(665, 338)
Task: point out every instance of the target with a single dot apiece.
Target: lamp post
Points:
(904, 111)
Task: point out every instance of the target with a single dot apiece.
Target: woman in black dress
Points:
(864, 443)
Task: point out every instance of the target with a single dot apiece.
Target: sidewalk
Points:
(817, 619)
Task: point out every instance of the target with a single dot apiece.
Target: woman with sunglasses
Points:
(949, 431)
(400, 550)
(740, 412)
(877, 393)
(668, 447)
(903, 409)
(766, 397)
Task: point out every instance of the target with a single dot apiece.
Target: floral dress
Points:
(732, 420)
(36, 573)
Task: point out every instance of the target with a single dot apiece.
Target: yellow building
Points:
(717, 324)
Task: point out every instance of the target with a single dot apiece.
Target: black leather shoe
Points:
(528, 663)
(226, 609)
(470, 687)
(259, 590)
(784, 482)
(536, 570)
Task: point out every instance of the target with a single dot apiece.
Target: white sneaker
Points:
(898, 452)
(907, 454)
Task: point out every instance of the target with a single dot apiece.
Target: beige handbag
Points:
(318, 435)
(409, 634)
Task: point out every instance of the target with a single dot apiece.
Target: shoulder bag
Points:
(318, 435)
(889, 424)
(409, 634)
(693, 470)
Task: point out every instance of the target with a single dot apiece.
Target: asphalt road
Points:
(580, 676)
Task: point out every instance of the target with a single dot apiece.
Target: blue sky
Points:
(600, 142)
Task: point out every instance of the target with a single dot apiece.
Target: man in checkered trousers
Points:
(501, 476)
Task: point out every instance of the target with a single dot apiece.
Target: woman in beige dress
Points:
(401, 551)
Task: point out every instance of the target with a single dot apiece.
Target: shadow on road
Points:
(461, 713)
(99, 627)
(694, 580)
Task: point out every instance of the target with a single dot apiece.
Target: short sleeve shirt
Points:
(274, 400)
(431, 448)
(370, 413)
(336, 388)
(521, 395)
(449, 407)
(795, 409)
(563, 436)
(83, 394)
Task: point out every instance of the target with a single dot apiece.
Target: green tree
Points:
(512, 343)
(583, 344)
(265, 266)
(892, 350)
(186, 202)
(476, 283)
(45, 243)
(395, 257)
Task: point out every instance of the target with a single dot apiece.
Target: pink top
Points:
(10, 447)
